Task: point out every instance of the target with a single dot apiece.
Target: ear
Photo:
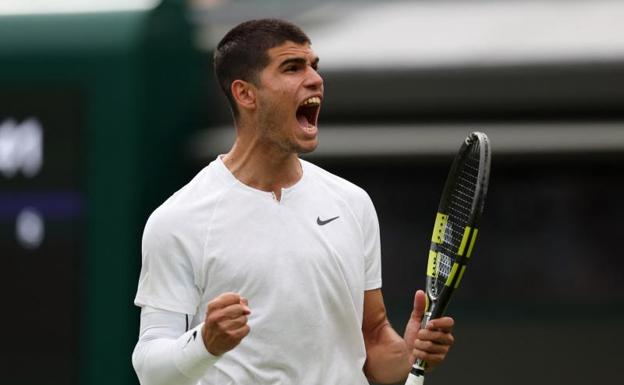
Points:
(244, 94)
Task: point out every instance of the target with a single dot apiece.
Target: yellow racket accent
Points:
(452, 275)
(472, 242)
(461, 274)
(464, 241)
(438, 228)
(431, 264)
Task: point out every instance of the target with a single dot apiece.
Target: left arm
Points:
(389, 357)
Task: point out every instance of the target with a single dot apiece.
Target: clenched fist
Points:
(226, 323)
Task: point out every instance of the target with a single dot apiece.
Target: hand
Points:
(432, 343)
(226, 323)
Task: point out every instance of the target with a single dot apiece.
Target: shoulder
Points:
(186, 211)
(335, 183)
(352, 194)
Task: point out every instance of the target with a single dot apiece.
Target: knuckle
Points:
(230, 297)
(231, 334)
(212, 319)
(239, 334)
(221, 327)
(223, 300)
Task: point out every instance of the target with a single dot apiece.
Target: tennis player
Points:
(266, 269)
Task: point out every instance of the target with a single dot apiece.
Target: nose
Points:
(314, 80)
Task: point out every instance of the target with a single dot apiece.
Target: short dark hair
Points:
(242, 53)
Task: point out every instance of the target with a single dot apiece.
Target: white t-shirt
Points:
(303, 263)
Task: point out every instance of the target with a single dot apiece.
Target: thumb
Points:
(420, 303)
(245, 303)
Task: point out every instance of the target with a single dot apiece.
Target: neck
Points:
(262, 166)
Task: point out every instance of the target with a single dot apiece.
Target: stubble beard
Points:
(273, 132)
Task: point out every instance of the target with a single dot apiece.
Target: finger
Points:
(245, 303)
(234, 335)
(420, 302)
(443, 324)
(432, 360)
(240, 333)
(234, 323)
(435, 336)
(430, 347)
(233, 311)
(215, 318)
(224, 300)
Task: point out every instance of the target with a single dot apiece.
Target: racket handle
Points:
(415, 380)
(417, 375)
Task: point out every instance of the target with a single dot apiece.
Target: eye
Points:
(291, 68)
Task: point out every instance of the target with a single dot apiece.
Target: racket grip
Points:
(415, 380)
(416, 376)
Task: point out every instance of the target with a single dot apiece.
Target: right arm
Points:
(166, 353)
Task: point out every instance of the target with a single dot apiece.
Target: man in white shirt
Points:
(266, 269)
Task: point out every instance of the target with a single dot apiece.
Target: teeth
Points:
(313, 101)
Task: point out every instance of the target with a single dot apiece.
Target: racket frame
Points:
(437, 304)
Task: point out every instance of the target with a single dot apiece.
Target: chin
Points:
(306, 148)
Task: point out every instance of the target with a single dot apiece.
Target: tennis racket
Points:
(455, 230)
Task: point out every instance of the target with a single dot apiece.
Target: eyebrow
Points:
(301, 61)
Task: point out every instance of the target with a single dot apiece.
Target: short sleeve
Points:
(372, 246)
(167, 278)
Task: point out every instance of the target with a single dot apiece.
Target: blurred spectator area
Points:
(529, 70)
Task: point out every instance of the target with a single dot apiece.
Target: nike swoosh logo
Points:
(191, 337)
(324, 222)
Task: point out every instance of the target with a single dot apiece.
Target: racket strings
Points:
(460, 202)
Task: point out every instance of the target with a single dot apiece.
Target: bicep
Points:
(167, 279)
(158, 323)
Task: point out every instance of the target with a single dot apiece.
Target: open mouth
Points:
(307, 113)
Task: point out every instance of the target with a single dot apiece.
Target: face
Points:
(289, 98)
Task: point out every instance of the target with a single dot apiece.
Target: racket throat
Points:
(425, 319)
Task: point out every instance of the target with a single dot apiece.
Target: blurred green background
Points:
(106, 109)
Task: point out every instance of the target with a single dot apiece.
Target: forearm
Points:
(164, 356)
(388, 358)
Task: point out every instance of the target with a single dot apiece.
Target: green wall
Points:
(138, 81)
